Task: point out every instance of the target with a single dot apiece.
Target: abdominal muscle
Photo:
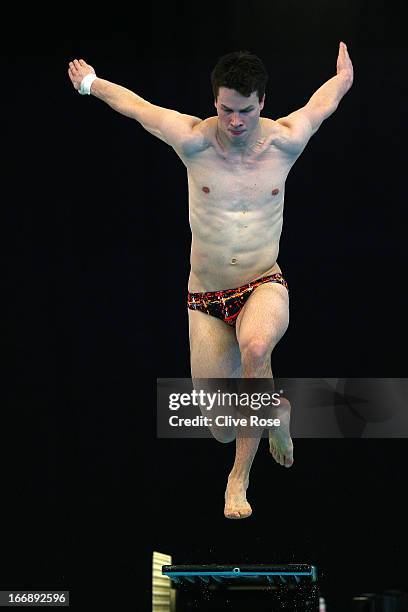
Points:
(232, 249)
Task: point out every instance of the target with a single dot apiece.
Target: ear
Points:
(215, 103)
(262, 102)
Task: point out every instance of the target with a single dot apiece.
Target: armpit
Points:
(197, 139)
(293, 132)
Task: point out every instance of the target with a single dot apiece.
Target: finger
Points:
(81, 61)
(72, 66)
(77, 64)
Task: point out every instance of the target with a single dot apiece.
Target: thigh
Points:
(214, 349)
(265, 316)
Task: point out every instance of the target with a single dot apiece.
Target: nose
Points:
(235, 120)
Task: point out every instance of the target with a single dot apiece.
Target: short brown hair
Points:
(242, 71)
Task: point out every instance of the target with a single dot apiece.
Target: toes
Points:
(237, 514)
(231, 514)
(288, 461)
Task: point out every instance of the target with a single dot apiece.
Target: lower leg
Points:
(256, 364)
(257, 367)
(247, 440)
(246, 446)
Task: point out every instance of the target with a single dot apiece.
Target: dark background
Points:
(96, 261)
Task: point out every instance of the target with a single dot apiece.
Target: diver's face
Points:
(238, 116)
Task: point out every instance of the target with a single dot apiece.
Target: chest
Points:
(234, 182)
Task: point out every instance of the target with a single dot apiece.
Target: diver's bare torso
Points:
(236, 209)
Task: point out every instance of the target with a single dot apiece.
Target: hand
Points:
(77, 70)
(344, 64)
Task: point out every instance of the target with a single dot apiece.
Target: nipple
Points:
(275, 191)
(206, 189)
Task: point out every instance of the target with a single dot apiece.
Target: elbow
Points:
(322, 112)
(328, 108)
(320, 109)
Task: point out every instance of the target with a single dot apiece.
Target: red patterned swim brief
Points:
(227, 304)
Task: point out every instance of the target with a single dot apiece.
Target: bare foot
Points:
(236, 505)
(280, 442)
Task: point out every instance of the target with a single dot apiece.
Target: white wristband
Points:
(86, 83)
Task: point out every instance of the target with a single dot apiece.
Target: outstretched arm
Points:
(303, 123)
(174, 128)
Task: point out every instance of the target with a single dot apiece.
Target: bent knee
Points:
(256, 351)
(224, 435)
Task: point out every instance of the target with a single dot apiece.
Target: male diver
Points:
(237, 163)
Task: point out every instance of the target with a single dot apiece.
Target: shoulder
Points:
(197, 137)
(290, 133)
